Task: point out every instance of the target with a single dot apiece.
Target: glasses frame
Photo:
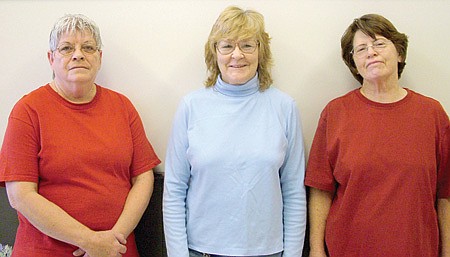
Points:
(376, 47)
(82, 48)
(238, 44)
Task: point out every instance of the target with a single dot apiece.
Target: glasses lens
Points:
(66, 49)
(248, 47)
(89, 49)
(225, 47)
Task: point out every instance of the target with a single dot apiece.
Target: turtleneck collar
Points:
(249, 88)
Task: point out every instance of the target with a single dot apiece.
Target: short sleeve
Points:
(319, 172)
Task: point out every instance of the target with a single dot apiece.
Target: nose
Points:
(78, 54)
(371, 51)
(237, 53)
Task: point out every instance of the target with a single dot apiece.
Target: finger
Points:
(121, 238)
(78, 252)
(123, 249)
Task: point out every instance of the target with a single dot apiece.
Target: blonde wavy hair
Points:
(235, 24)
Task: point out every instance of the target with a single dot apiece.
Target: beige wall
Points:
(153, 50)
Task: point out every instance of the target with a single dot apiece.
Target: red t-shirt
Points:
(386, 165)
(82, 156)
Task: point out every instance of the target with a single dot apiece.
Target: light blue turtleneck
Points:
(234, 173)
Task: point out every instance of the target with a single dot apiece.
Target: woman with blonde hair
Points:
(235, 160)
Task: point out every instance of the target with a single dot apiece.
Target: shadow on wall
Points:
(8, 220)
(149, 232)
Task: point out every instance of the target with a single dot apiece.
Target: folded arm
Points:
(53, 221)
(135, 205)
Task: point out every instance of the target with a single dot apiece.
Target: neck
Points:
(383, 91)
(75, 93)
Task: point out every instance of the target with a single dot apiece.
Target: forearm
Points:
(136, 203)
(294, 222)
(318, 208)
(46, 216)
(443, 206)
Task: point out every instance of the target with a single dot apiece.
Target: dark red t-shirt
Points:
(386, 165)
(82, 156)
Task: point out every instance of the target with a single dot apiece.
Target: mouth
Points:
(78, 67)
(372, 63)
(237, 66)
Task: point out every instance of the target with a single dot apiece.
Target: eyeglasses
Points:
(227, 47)
(377, 45)
(68, 49)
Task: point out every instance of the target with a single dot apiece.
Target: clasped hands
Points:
(103, 244)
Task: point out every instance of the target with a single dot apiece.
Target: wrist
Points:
(85, 238)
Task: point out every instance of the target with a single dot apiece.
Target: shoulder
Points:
(275, 95)
(275, 92)
(198, 93)
(199, 96)
(343, 99)
(428, 106)
(423, 100)
(37, 94)
(341, 105)
(115, 99)
(114, 95)
(34, 99)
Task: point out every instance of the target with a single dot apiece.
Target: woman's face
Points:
(80, 66)
(377, 58)
(240, 65)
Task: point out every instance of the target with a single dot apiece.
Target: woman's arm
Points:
(443, 207)
(292, 174)
(53, 221)
(176, 185)
(136, 203)
(318, 207)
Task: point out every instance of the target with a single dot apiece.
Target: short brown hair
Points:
(371, 25)
(235, 23)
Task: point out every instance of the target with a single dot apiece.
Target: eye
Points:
(66, 49)
(379, 44)
(247, 45)
(225, 45)
(89, 48)
(360, 49)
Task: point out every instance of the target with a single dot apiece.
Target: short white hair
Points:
(72, 23)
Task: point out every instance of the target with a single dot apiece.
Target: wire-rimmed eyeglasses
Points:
(246, 46)
(377, 45)
(69, 49)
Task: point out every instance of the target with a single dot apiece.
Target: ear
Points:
(399, 57)
(50, 57)
(100, 60)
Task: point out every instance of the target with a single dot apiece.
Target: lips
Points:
(237, 65)
(372, 63)
(78, 67)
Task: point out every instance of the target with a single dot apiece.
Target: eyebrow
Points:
(84, 43)
(376, 39)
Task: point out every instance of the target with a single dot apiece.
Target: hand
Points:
(103, 244)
